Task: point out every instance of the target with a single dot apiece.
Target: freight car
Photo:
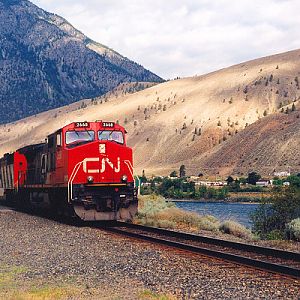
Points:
(82, 170)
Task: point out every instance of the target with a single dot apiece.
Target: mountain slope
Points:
(45, 62)
(203, 122)
(270, 144)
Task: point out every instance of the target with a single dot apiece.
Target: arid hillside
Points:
(268, 145)
(203, 122)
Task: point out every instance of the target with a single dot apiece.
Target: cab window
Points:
(75, 137)
(58, 139)
(111, 135)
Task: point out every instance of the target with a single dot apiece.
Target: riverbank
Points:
(232, 197)
(209, 201)
(157, 212)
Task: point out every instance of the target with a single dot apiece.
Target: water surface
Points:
(239, 212)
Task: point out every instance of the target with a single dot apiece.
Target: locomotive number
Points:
(108, 124)
(82, 124)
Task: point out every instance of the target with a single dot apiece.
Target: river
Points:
(239, 212)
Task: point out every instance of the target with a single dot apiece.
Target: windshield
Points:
(108, 135)
(74, 137)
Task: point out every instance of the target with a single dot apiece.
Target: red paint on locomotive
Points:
(20, 168)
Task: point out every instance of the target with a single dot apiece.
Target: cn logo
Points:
(102, 165)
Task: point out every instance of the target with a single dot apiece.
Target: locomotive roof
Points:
(31, 147)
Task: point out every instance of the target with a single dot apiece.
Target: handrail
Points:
(71, 179)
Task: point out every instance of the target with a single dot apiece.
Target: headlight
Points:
(90, 179)
(124, 178)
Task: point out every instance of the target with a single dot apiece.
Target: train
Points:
(83, 170)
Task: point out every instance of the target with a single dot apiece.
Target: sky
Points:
(185, 37)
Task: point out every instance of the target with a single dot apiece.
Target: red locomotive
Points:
(84, 169)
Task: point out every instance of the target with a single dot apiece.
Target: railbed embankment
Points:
(41, 257)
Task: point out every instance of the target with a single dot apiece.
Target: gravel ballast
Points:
(107, 266)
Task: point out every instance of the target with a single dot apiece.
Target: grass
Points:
(45, 293)
(157, 212)
(13, 288)
(7, 278)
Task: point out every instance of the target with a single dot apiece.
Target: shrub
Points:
(180, 217)
(192, 220)
(209, 223)
(150, 205)
(284, 207)
(275, 235)
(292, 230)
(166, 224)
(236, 229)
(155, 211)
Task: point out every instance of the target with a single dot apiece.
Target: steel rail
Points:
(267, 251)
(241, 260)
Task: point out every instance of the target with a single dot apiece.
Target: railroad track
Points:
(268, 259)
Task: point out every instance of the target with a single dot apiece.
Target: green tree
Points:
(173, 174)
(202, 191)
(222, 193)
(253, 177)
(182, 171)
(229, 180)
(271, 78)
(277, 182)
(294, 180)
(143, 178)
(242, 180)
(158, 179)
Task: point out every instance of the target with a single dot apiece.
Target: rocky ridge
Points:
(46, 63)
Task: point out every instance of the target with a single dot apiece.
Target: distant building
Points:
(211, 183)
(263, 182)
(282, 174)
